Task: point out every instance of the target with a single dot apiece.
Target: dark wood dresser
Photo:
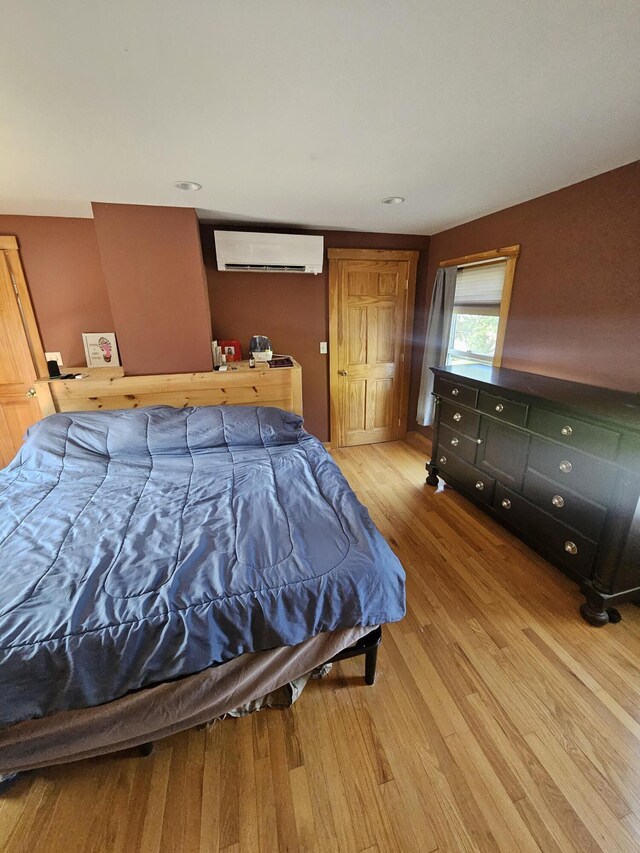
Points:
(557, 462)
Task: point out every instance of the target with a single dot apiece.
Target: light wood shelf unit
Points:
(108, 388)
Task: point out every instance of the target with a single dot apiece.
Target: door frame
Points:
(336, 438)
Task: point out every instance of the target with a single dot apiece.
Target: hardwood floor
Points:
(499, 721)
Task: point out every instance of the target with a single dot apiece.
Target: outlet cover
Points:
(323, 347)
(54, 356)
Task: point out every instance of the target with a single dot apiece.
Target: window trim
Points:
(475, 357)
(509, 254)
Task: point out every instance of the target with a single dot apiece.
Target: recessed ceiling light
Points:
(187, 185)
(393, 199)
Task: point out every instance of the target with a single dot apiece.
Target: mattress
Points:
(144, 545)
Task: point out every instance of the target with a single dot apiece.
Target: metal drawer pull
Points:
(506, 503)
(565, 466)
(499, 408)
(566, 430)
(455, 442)
(557, 500)
(455, 392)
(571, 547)
(457, 416)
(480, 485)
(479, 441)
(443, 460)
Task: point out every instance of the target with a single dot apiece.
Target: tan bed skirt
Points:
(164, 709)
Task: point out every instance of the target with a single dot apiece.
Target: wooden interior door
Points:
(371, 315)
(21, 357)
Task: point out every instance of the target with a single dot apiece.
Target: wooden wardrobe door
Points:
(19, 408)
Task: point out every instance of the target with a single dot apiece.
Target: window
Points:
(473, 337)
(476, 313)
(481, 304)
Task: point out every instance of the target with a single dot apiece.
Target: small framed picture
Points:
(101, 349)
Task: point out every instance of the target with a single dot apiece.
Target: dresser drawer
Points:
(629, 455)
(583, 474)
(503, 451)
(459, 393)
(504, 410)
(461, 445)
(563, 504)
(575, 433)
(459, 418)
(468, 476)
(564, 544)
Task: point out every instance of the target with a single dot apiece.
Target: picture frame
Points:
(101, 349)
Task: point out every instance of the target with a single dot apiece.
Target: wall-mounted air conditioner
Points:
(246, 251)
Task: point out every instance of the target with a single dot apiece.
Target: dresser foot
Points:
(594, 616)
(432, 479)
(614, 615)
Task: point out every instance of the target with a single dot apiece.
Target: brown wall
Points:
(62, 265)
(575, 311)
(290, 309)
(575, 308)
(152, 263)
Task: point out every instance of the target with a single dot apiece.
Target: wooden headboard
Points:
(108, 388)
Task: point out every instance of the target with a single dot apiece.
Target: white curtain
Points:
(437, 342)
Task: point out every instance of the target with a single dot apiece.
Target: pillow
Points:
(131, 435)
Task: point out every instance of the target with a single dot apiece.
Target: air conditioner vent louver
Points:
(245, 251)
(265, 267)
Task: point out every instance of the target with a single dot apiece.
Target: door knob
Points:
(342, 372)
(31, 392)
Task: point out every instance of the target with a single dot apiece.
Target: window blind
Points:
(480, 285)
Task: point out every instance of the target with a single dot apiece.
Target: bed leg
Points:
(371, 659)
(146, 748)
(367, 646)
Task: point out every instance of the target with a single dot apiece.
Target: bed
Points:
(142, 547)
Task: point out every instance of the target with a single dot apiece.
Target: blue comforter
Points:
(140, 546)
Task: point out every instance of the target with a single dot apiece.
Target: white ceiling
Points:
(308, 112)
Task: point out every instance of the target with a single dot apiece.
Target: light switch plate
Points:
(54, 356)
(323, 347)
